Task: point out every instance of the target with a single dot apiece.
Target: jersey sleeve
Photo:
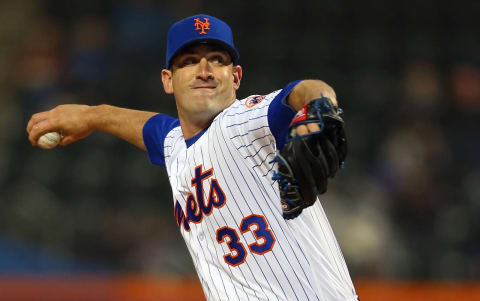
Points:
(280, 114)
(155, 131)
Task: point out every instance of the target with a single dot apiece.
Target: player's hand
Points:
(315, 149)
(73, 121)
(304, 129)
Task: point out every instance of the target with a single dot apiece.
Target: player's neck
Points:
(192, 126)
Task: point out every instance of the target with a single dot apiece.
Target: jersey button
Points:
(201, 236)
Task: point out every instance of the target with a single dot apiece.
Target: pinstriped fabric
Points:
(229, 214)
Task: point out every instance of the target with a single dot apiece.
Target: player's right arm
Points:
(76, 122)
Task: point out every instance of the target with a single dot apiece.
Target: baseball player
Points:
(245, 173)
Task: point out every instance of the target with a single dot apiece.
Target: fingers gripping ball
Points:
(49, 140)
(306, 162)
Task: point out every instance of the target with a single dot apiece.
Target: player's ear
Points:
(237, 76)
(167, 81)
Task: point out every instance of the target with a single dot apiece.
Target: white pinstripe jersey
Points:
(228, 210)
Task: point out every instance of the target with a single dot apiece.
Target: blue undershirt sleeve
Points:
(280, 114)
(154, 132)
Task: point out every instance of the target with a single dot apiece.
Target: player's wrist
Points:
(310, 89)
(95, 116)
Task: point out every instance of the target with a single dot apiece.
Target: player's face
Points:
(203, 81)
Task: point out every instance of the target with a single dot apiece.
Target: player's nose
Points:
(204, 70)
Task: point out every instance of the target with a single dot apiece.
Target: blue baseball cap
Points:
(196, 29)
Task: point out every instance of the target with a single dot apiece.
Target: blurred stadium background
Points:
(94, 221)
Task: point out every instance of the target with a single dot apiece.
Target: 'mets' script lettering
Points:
(196, 206)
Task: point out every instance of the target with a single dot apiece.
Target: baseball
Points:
(49, 140)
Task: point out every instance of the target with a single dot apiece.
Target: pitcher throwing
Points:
(245, 173)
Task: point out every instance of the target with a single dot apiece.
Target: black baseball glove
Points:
(306, 162)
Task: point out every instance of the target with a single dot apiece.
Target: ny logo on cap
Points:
(199, 25)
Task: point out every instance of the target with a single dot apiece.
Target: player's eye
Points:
(188, 60)
(217, 59)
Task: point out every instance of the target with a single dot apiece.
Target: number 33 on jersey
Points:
(198, 206)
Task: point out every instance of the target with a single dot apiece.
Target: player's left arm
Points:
(305, 91)
(309, 89)
(315, 147)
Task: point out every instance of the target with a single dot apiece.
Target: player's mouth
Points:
(204, 87)
(203, 84)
